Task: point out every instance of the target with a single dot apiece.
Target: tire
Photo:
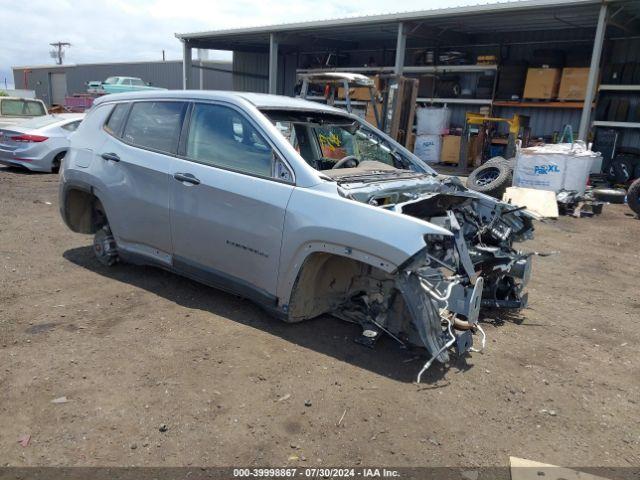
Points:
(57, 162)
(493, 160)
(633, 197)
(611, 195)
(104, 247)
(491, 179)
(621, 169)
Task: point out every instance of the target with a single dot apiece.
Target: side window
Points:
(221, 137)
(155, 125)
(116, 119)
(71, 127)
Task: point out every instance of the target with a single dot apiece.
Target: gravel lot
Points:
(133, 348)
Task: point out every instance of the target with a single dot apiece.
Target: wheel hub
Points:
(487, 177)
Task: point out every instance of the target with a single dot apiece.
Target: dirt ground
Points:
(134, 348)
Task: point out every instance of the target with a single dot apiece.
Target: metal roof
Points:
(504, 17)
(94, 64)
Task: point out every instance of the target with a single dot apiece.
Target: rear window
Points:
(72, 127)
(155, 125)
(24, 108)
(116, 119)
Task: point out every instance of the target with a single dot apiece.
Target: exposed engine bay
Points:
(433, 300)
(446, 284)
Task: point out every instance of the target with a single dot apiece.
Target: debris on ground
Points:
(541, 202)
(341, 418)
(24, 440)
(163, 428)
(60, 400)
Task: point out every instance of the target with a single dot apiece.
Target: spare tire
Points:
(611, 195)
(491, 179)
(633, 197)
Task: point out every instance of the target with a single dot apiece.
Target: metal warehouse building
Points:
(53, 82)
(591, 33)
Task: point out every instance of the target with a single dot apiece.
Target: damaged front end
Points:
(443, 287)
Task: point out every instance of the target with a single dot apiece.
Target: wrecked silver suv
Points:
(300, 207)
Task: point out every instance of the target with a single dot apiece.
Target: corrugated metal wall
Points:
(251, 72)
(38, 80)
(216, 75)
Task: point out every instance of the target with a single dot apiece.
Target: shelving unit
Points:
(462, 101)
(414, 69)
(451, 68)
(603, 123)
(513, 104)
(620, 88)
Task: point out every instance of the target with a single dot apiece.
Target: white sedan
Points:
(38, 144)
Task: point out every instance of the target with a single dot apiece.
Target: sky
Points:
(136, 30)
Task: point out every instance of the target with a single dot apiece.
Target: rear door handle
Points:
(111, 156)
(186, 177)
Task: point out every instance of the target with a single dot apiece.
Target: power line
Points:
(58, 54)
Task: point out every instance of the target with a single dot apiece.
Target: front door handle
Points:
(110, 156)
(186, 177)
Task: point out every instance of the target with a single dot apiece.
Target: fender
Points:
(319, 220)
(79, 180)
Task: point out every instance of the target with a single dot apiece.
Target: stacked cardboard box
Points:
(573, 85)
(542, 83)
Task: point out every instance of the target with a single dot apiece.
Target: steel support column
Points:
(203, 55)
(273, 64)
(187, 68)
(594, 69)
(401, 47)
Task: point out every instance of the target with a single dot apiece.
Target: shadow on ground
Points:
(20, 170)
(326, 334)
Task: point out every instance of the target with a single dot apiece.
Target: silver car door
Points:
(135, 168)
(228, 200)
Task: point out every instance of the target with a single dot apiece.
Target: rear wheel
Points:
(104, 247)
(633, 197)
(57, 162)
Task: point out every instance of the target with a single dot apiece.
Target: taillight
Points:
(29, 138)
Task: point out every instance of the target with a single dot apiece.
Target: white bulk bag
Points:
(433, 121)
(555, 167)
(428, 148)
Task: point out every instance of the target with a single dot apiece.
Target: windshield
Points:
(22, 108)
(137, 81)
(111, 80)
(331, 142)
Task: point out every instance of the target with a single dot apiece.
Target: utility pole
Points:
(58, 54)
